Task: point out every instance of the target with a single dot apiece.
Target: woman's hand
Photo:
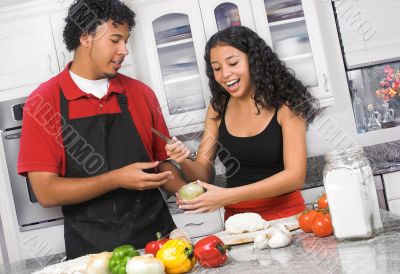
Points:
(177, 150)
(214, 198)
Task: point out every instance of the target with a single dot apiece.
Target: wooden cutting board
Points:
(291, 223)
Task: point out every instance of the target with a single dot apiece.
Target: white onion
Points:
(98, 264)
(145, 264)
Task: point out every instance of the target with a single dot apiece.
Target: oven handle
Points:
(13, 136)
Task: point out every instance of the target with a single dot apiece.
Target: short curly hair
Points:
(275, 84)
(85, 15)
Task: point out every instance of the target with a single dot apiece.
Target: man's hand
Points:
(133, 176)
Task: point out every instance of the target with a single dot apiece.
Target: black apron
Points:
(95, 145)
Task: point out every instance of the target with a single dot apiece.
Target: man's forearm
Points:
(55, 190)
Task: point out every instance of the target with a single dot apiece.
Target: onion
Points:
(190, 191)
(98, 264)
(145, 264)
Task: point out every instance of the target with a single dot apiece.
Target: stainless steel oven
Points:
(30, 214)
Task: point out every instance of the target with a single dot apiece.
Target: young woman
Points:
(256, 124)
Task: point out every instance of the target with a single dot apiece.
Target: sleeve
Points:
(40, 144)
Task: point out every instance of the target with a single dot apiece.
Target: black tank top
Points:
(250, 159)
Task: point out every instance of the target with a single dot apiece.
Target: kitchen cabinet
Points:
(292, 29)
(32, 49)
(201, 224)
(392, 190)
(220, 14)
(311, 194)
(27, 51)
(173, 35)
(171, 45)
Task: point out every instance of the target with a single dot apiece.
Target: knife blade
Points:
(162, 136)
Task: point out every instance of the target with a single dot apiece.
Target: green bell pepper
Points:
(120, 257)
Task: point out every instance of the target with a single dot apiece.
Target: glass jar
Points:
(351, 193)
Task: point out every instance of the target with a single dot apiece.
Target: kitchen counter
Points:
(384, 158)
(307, 254)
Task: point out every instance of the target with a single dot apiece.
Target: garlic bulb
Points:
(179, 233)
(279, 239)
(261, 241)
(98, 264)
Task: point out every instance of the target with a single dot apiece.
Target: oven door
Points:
(30, 213)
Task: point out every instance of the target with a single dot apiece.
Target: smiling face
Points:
(231, 70)
(105, 51)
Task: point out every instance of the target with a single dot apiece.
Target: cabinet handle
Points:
(194, 224)
(325, 82)
(50, 69)
(64, 60)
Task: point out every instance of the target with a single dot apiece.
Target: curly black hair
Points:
(85, 15)
(275, 84)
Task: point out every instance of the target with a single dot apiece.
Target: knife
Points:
(162, 136)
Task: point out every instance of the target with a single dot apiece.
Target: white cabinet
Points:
(57, 25)
(27, 51)
(198, 225)
(169, 36)
(292, 29)
(392, 190)
(220, 14)
(32, 49)
(310, 195)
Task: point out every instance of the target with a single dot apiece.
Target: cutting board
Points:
(291, 223)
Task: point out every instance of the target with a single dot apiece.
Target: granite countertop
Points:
(384, 158)
(307, 254)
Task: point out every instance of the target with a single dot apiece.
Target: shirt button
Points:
(101, 105)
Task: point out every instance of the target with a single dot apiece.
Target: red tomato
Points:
(306, 220)
(323, 202)
(322, 225)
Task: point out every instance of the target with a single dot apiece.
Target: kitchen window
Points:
(375, 94)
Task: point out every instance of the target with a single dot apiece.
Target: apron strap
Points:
(123, 103)
(64, 109)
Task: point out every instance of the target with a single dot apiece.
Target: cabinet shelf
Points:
(297, 57)
(181, 79)
(174, 43)
(285, 22)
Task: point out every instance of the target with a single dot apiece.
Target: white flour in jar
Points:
(348, 204)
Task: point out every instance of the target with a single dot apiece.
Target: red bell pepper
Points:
(153, 246)
(211, 251)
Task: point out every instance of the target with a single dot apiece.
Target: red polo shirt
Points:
(41, 146)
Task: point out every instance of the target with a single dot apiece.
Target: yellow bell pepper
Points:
(177, 256)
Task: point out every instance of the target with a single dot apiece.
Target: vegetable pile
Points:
(164, 255)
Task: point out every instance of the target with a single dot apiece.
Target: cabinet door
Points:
(27, 52)
(58, 23)
(291, 28)
(220, 14)
(172, 45)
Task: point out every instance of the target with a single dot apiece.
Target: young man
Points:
(86, 142)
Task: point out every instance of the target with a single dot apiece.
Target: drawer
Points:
(392, 185)
(201, 224)
(311, 194)
(394, 206)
